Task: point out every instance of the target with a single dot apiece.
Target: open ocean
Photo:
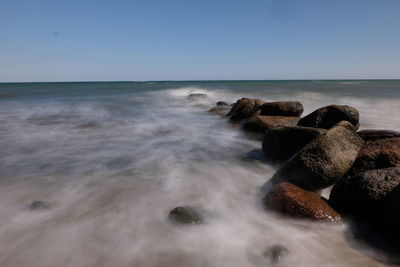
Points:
(111, 159)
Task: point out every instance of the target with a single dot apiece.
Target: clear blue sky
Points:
(80, 40)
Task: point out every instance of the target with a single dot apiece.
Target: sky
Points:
(142, 40)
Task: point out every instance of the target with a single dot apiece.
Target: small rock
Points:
(288, 108)
(362, 193)
(244, 108)
(185, 215)
(289, 199)
(276, 253)
(38, 205)
(197, 96)
(372, 135)
(261, 124)
(222, 103)
(328, 116)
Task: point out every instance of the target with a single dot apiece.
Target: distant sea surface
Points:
(111, 159)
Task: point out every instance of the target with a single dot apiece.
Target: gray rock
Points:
(328, 116)
(244, 108)
(39, 205)
(185, 215)
(197, 96)
(324, 160)
(261, 124)
(276, 253)
(362, 193)
(287, 108)
(222, 103)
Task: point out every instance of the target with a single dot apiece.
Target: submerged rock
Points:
(289, 199)
(276, 253)
(185, 215)
(281, 143)
(197, 96)
(261, 124)
(39, 205)
(372, 134)
(222, 103)
(363, 193)
(377, 154)
(328, 116)
(287, 108)
(244, 108)
(324, 160)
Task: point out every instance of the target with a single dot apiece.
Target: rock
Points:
(197, 96)
(281, 143)
(222, 103)
(276, 253)
(185, 215)
(38, 205)
(288, 108)
(260, 123)
(389, 215)
(324, 160)
(378, 154)
(371, 135)
(219, 110)
(362, 193)
(291, 200)
(328, 116)
(244, 108)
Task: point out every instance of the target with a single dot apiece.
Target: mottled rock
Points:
(372, 134)
(324, 160)
(287, 108)
(328, 116)
(39, 205)
(197, 96)
(281, 143)
(289, 199)
(185, 215)
(363, 192)
(244, 108)
(377, 154)
(260, 123)
(276, 253)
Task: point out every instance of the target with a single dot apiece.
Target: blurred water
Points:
(112, 159)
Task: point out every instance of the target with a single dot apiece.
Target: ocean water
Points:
(111, 159)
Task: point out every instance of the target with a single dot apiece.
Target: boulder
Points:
(389, 215)
(371, 135)
(244, 108)
(328, 116)
(281, 143)
(276, 253)
(288, 108)
(289, 199)
(260, 123)
(197, 96)
(378, 154)
(324, 160)
(219, 110)
(39, 205)
(185, 215)
(222, 103)
(362, 193)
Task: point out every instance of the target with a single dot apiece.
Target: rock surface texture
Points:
(185, 215)
(328, 116)
(289, 108)
(260, 123)
(244, 108)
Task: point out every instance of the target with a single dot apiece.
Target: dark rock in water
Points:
(378, 154)
(281, 143)
(219, 110)
(389, 215)
(371, 135)
(261, 124)
(289, 199)
(363, 193)
(222, 103)
(38, 205)
(288, 108)
(324, 160)
(185, 215)
(244, 108)
(197, 96)
(276, 253)
(328, 116)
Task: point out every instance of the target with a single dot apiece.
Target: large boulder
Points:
(281, 143)
(291, 200)
(260, 123)
(378, 154)
(244, 108)
(389, 215)
(372, 134)
(328, 116)
(287, 108)
(363, 193)
(185, 215)
(324, 160)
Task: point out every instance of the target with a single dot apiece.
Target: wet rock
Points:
(328, 116)
(260, 123)
(185, 215)
(244, 108)
(363, 193)
(222, 103)
(372, 135)
(219, 110)
(289, 199)
(281, 143)
(377, 154)
(389, 215)
(276, 253)
(39, 205)
(288, 108)
(324, 160)
(197, 96)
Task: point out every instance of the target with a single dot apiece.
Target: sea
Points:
(110, 160)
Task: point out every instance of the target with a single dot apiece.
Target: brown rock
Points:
(378, 154)
(372, 134)
(244, 108)
(287, 108)
(288, 199)
(328, 116)
(260, 123)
